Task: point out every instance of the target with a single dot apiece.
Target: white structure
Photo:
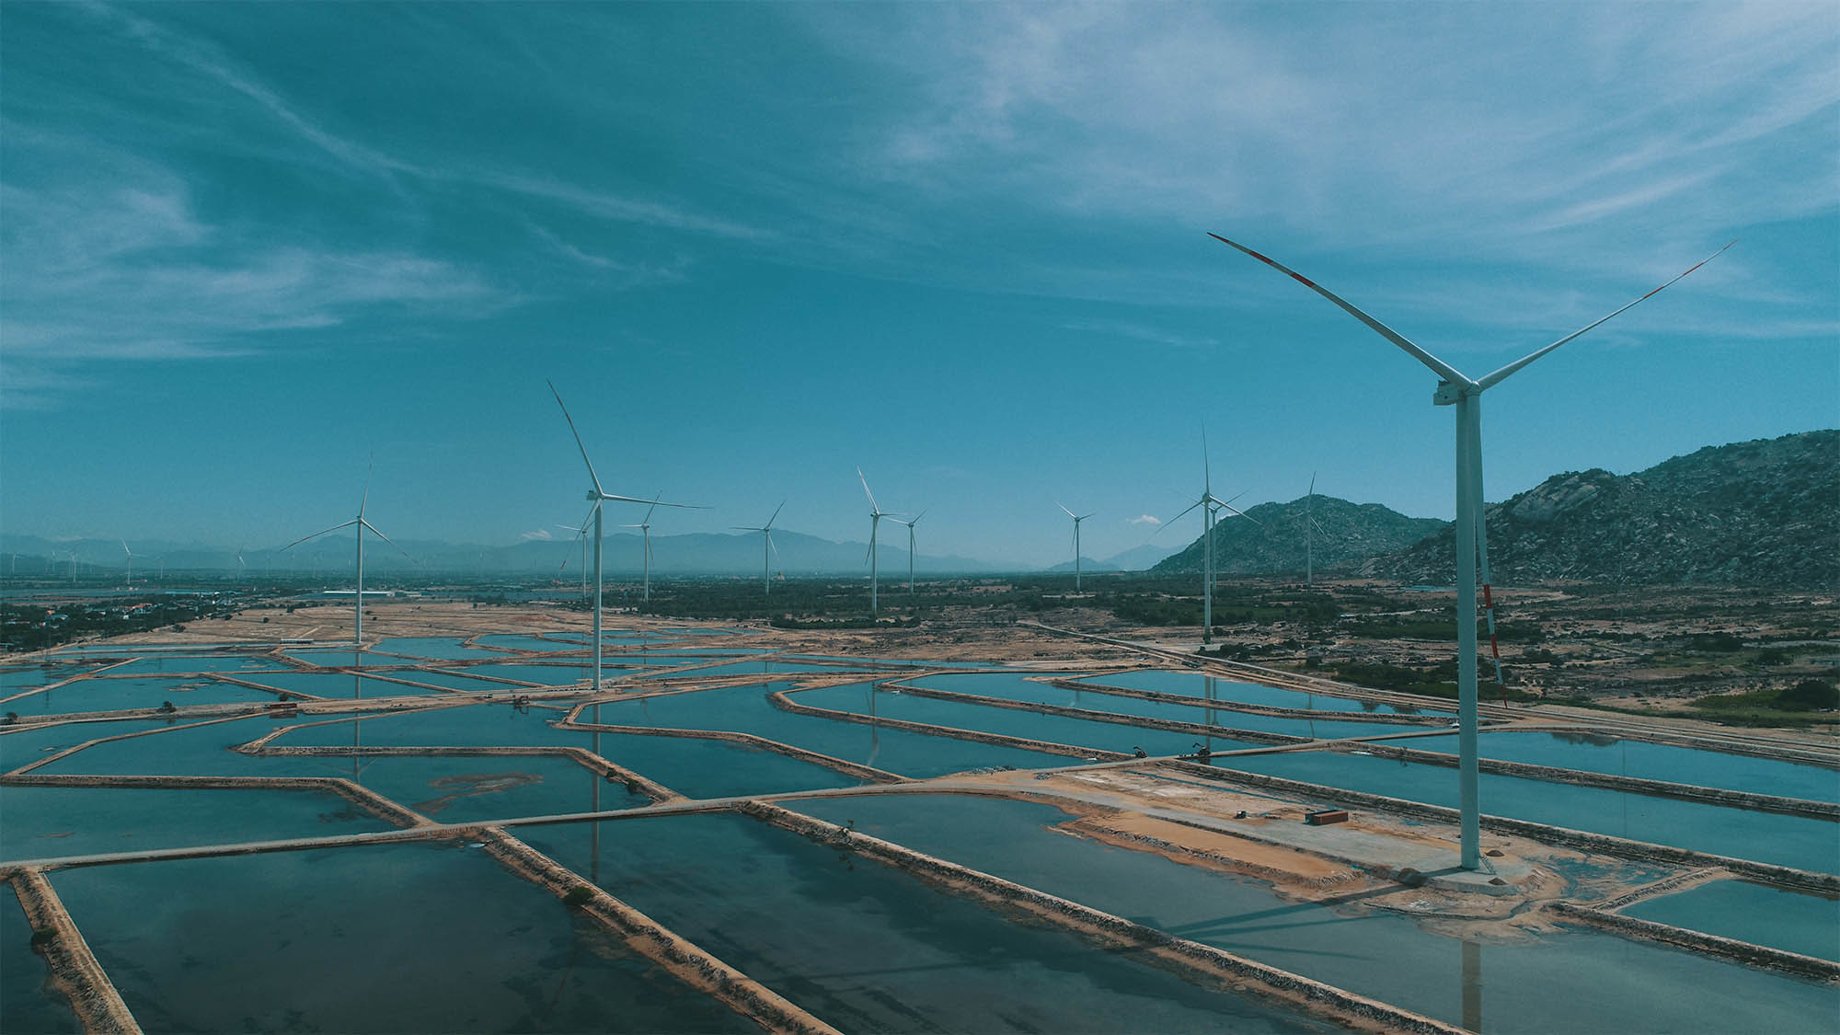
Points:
(767, 550)
(599, 496)
(1077, 518)
(1465, 393)
(1210, 505)
(357, 525)
(876, 513)
(645, 548)
(910, 548)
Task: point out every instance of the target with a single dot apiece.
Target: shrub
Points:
(578, 896)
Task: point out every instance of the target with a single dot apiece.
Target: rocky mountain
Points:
(1763, 513)
(1273, 541)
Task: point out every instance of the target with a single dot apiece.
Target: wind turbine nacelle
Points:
(1448, 394)
(593, 496)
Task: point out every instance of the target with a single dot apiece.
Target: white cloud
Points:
(541, 535)
(1144, 519)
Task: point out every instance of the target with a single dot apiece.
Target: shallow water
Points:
(1018, 688)
(1578, 981)
(446, 648)
(1195, 684)
(754, 668)
(1641, 759)
(461, 789)
(533, 643)
(164, 664)
(104, 694)
(867, 948)
(16, 680)
(452, 680)
(333, 685)
(745, 709)
(392, 938)
(28, 1003)
(859, 698)
(1809, 844)
(547, 675)
(43, 822)
(29, 745)
(192, 750)
(1804, 923)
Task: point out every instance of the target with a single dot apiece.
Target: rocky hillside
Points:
(1763, 513)
(1349, 535)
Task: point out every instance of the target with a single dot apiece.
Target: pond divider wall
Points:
(1196, 729)
(1624, 848)
(1397, 718)
(652, 940)
(74, 970)
(1193, 958)
(1664, 886)
(588, 760)
(361, 796)
(861, 772)
(1698, 941)
(783, 701)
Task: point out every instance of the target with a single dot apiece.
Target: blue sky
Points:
(243, 247)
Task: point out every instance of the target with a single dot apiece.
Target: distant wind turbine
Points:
(358, 525)
(876, 513)
(581, 536)
(1210, 505)
(1456, 388)
(910, 548)
(767, 549)
(130, 553)
(599, 496)
(1077, 518)
(1310, 529)
(645, 528)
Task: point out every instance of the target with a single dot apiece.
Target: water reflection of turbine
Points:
(875, 728)
(1472, 985)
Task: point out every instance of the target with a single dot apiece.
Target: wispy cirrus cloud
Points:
(1144, 519)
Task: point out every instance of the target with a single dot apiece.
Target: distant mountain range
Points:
(1138, 558)
(1762, 513)
(1272, 540)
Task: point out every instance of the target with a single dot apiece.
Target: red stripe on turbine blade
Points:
(1259, 257)
(1301, 279)
(1494, 648)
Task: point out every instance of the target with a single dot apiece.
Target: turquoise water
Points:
(534, 643)
(1577, 981)
(28, 1003)
(745, 709)
(42, 822)
(867, 948)
(1194, 684)
(392, 938)
(862, 699)
(869, 662)
(438, 677)
(173, 665)
(438, 647)
(192, 750)
(335, 658)
(1639, 758)
(548, 675)
(29, 745)
(697, 768)
(460, 789)
(1017, 688)
(1796, 922)
(105, 694)
(751, 668)
(333, 685)
(14, 680)
(1810, 844)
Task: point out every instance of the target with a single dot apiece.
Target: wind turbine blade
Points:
(321, 532)
(1240, 513)
(648, 511)
(917, 518)
(379, 533)
(1438, 366)
(616, 498)
(1501, 375)
(366, 498)
(1312, 491)
(1083, 517)
(746, 528)
(874, 507)
(595, 478)
(776, 510)
(1182, 515)
(1063, 507)
(772, 546)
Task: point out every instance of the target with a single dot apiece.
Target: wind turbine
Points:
(910, 548)
(1210, 505)
(358, 525)
(242, 566)
(645, 529)
(876, 513)
(1077, 518)
(130, 553)
(1310, 528)
(581, 535)
(599, 496)
(1465, 393)
(767, 549)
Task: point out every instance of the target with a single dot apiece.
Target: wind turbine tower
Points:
(910, 549)
(1077, 518)
(130, 553)
(599, 497)
(358, 525)
(876, 513)
(1210, 505)
(767, 549)
(1463, 392)
(645, 549)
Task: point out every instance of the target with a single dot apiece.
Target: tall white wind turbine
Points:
(644, 526)
(358, 525)
(767, 550)
(1211, 505)
(1077, 518)
(1310, 529)
(130, 553)
(581, 536)
(876, 513)
(1465, 393)
(910, 548)
(599, 496)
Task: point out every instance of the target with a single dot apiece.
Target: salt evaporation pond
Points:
(102, 694)
(695, 767)
(863, 699)
(473, 788)
(390, 938)
(1799, 841)
(198, 749)
(866, 947)
(1197, 685)
(332, 685)
(28, 1003)
(1647, 761)
(752, 668)
(28, 745)
(1580, 980)
(446, 679)
(46, 822)
(1788, 920)
(547, 675)
(1014, 687)
(529, 643)
(165, 664)
(745, 709)
(14, 680)
(445, 648)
